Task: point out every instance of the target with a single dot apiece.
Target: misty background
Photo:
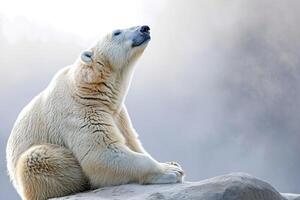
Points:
(217, 89)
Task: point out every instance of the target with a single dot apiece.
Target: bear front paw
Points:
(174, 163)
(171, 172)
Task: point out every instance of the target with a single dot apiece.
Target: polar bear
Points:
(77, 135)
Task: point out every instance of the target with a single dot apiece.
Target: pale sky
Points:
(78, 17)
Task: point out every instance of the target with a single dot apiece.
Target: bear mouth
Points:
(141, 39)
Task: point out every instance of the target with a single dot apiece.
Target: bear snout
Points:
(144, 29)
(141, 36)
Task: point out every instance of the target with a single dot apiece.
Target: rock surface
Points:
(236, 186)
(289, 196)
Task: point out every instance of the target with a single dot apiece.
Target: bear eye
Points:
(117, 32)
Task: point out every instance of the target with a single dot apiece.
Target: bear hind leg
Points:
(47, 171)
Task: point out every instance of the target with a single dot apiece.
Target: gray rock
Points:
(290, 196)
(236, 186)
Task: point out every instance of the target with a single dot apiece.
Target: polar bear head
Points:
(110, 60)
(118, 49)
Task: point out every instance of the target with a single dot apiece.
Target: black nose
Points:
(145, 29)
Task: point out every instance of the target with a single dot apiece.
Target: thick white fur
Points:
(76, 134)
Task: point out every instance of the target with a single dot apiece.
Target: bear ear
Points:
(87, 57)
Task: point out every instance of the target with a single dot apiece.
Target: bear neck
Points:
(109, 92)
(122, 83)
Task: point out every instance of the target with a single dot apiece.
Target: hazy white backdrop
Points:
(218, 88)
